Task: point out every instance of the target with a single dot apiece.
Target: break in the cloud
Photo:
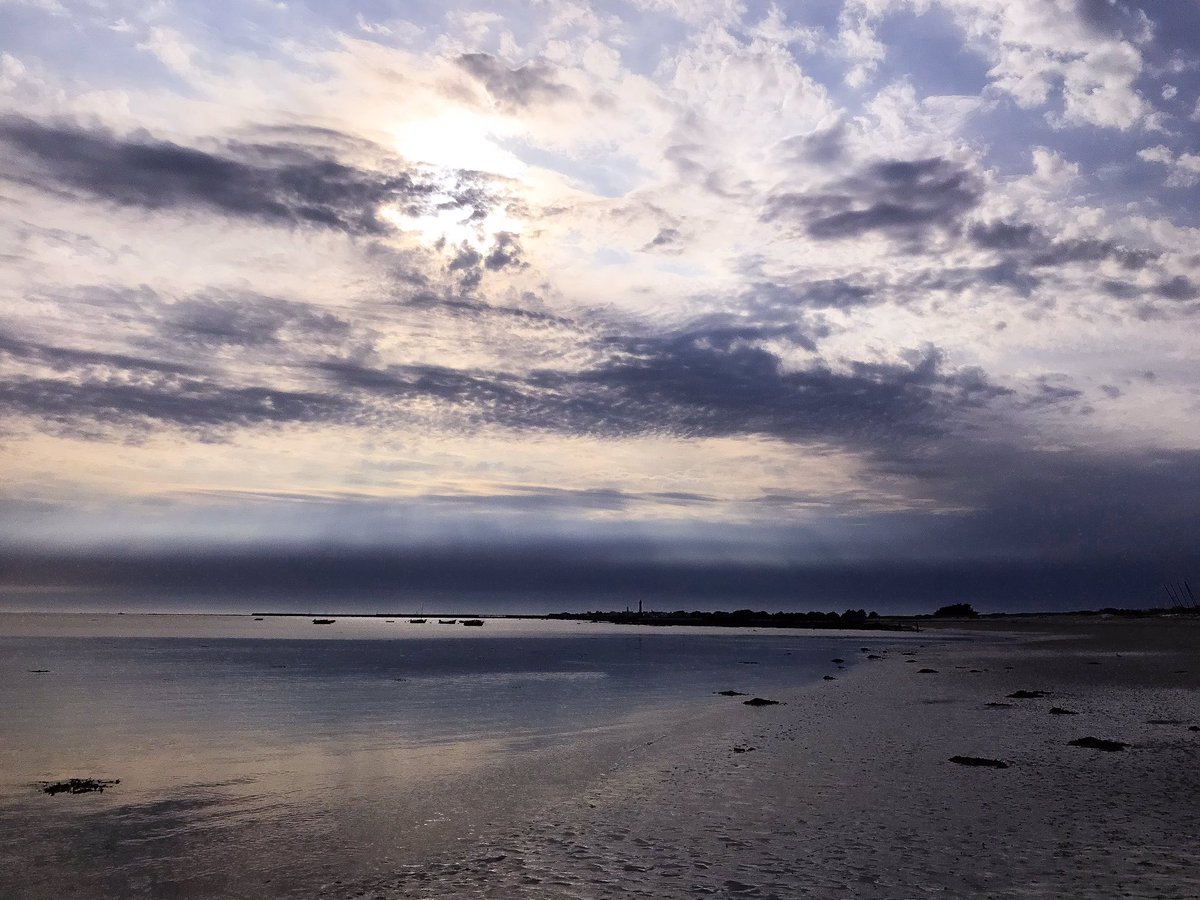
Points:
(882, 302)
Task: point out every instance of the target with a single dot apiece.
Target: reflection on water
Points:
(275, 756)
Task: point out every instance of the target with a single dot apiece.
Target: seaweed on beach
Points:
(1095, 743)
(979, 761)
(77, 785)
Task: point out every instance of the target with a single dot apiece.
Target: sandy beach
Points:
(846, 789)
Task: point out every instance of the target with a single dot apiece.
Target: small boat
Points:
(447, 621)
(472, 621)
(416, 621)
(323, 621)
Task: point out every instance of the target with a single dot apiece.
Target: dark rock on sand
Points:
(1028, 695)
(77, 785)
(995, 705)
(1096, 743)
(828, 678)
(1194, 728)
(838, 660)
(1059, 711)
(38, 671)
(743, 749)
(927, 671)
(732, 693)
(874, 656)
(1164, 721)
(759, 701)
(979, 761)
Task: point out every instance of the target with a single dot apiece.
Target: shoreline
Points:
(849, 790)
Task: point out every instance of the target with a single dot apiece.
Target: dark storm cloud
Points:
(246, 320)
(517, 88)
(720, 381)
(1064, 505)
(1028, 529)
(772, 299)
(711, 379)
(835, 293)
(903, 199)
(474, 308)
(1037, 249)
(822, 147)
(496, 396)
(469, 265)
(77, 407)
(65, 358)
(97, 390)
(281, 185)
(1052, 391)
(1178, 288)
(505, 253)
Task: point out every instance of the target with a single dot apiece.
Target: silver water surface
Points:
(274, 757)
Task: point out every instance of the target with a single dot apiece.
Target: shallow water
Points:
(276, 757)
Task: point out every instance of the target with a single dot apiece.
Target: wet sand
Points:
(849, 790)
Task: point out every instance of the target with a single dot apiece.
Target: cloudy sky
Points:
(887, 303)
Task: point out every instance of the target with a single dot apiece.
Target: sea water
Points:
(278, 757)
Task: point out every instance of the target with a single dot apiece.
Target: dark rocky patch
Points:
(828, 678)
(759, 701)
(927, 671)
(1095, 743)
(744, 749)
(979, 761)
(1194, 728)
(838, 660)
(1164, 721)
(38, 671)
(732, 693)
(1028, 695)
(995, 705)
(1059, 711)
(77, 785)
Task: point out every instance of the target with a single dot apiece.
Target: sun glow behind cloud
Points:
(460, 139)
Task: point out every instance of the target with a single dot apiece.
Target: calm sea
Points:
(274, 757)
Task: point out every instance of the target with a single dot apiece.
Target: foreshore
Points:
(847, 789)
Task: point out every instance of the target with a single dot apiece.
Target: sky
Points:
(552, 305)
